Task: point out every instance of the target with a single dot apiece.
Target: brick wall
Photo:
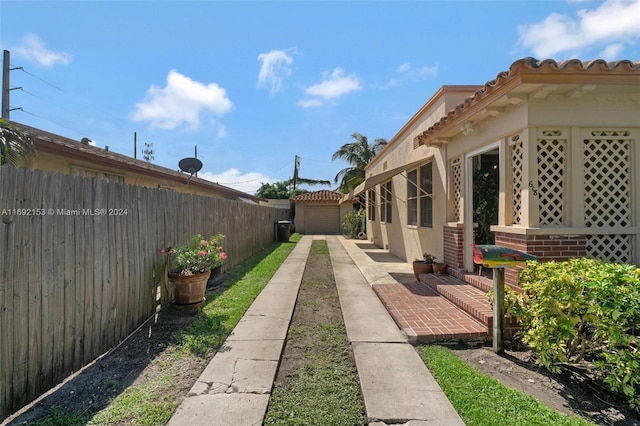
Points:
(453, 246)
(546, 247)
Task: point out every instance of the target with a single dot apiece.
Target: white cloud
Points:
(274, 69)
(332, 86)
(33, 49)
(233, 178)
(406, 72)
(309, 103)
(181, 101)
(607, 27)
(612, 52)
(222, 131)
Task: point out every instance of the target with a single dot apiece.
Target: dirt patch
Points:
(129, 364)
(566, 393)
(317, 303)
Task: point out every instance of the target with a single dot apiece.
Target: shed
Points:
(320, 212)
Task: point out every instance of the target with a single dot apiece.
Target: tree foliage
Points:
(280, 190)
(148, 153)
(358, 154)
(15, 146)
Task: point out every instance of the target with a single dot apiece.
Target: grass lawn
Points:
(482, 400)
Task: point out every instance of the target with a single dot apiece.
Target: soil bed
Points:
(566, 393)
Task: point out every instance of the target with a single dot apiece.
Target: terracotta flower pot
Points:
(421, 267)
(189, 289)
(439, 268)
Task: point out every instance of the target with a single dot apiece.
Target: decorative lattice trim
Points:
(610, 133)
(456, 187)
(614, 248)
(551, 183)
(607, 190)
(517, 158)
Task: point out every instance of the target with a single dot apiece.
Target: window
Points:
(412, 197)
(386, 196)
(371, 204)
(419, 192)
(426, 190)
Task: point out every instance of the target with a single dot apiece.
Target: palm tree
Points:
(14, 145)
(358, 154)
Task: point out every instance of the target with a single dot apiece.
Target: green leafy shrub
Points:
(352, 223)
(583, 314)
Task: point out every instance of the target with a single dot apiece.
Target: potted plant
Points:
(439, 268)
(424, 265)
(191, 266)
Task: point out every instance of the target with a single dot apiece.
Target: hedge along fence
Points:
(80, 266)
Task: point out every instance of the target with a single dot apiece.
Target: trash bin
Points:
(283, 230)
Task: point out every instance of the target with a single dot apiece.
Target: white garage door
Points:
(322, 219)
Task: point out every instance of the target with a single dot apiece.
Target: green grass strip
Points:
(483, 400)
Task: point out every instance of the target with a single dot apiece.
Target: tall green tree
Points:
(358, 154)
(15, 146)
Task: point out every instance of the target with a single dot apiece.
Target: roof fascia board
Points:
(416, 117)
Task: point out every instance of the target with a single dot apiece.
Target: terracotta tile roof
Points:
(323, 196)
(531, 70)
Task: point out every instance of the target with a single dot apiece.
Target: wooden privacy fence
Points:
(80, 266)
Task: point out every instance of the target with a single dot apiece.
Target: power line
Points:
(41, 79)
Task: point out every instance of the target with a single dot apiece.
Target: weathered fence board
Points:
(74, 282)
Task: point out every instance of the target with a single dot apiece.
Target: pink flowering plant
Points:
(200, 255)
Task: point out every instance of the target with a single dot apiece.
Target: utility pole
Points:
(195, 154)
(6, 68)
(5, 85)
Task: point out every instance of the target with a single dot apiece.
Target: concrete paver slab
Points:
(396, 384)
(363, 327)
(392, 366)
(362, 304)
(230, 375)
(261, 350)
(221, 410)
(260, 327)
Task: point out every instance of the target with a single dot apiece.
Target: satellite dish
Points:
(85, 141)
(190, 165)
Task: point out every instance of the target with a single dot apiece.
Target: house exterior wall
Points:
(59, 164)
(404, 241)
(550, 139)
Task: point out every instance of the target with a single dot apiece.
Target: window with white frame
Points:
(371, 204)
(419, 193)
(386, 196)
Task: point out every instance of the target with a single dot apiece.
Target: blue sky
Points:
(253, 84)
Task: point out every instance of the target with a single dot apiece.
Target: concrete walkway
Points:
(397, 388)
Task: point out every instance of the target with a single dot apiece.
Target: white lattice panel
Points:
(607, 192)
(517, 157)
(456, 187)
(551, 184)
(614, 248)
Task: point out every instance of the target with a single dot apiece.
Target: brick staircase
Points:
(468, 292)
